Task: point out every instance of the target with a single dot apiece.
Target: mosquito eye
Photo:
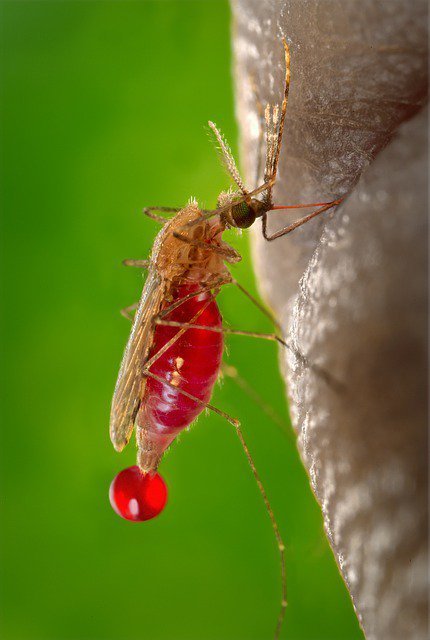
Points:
(243, 215)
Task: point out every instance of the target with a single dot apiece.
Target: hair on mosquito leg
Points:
(127, 311)
(229, 254)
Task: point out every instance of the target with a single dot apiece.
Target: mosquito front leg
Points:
(298, 223)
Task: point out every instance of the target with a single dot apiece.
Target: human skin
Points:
(350, 289)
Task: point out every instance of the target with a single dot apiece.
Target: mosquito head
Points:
(241, 214)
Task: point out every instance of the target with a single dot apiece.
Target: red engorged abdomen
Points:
(191, 364)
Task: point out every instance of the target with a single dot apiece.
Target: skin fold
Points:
(350, 289)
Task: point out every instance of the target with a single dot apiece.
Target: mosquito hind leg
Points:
(147, 373)
(275, 527)
(322, 373)
(228, 371)
(273, 521)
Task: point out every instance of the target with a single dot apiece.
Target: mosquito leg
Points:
(206, 405)
(235, 332)
(298, 223)
(189, 296)
(141, 264)
(229, 371)
(303, 206)
(127, 311)
(236, 424)
(265, 336)
(275, 527)
(176, 337)
(229, 254)
(257, 304)
(260, 485)
(216, 212)
(148, 211)
(252, 334)
(322, 373)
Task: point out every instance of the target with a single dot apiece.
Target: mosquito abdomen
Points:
(191, 364)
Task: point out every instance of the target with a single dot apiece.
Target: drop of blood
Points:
(137, 496)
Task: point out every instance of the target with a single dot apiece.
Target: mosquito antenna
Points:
(227, 157)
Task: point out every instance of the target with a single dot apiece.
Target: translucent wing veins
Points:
(130, 384)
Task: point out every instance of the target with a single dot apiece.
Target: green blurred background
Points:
(104, 106)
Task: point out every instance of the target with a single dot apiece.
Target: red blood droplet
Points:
(137, 496)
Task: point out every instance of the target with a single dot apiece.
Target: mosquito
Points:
(174, 353)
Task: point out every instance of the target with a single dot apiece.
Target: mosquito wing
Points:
(129, 386)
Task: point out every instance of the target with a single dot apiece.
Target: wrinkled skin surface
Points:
(351, 289)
